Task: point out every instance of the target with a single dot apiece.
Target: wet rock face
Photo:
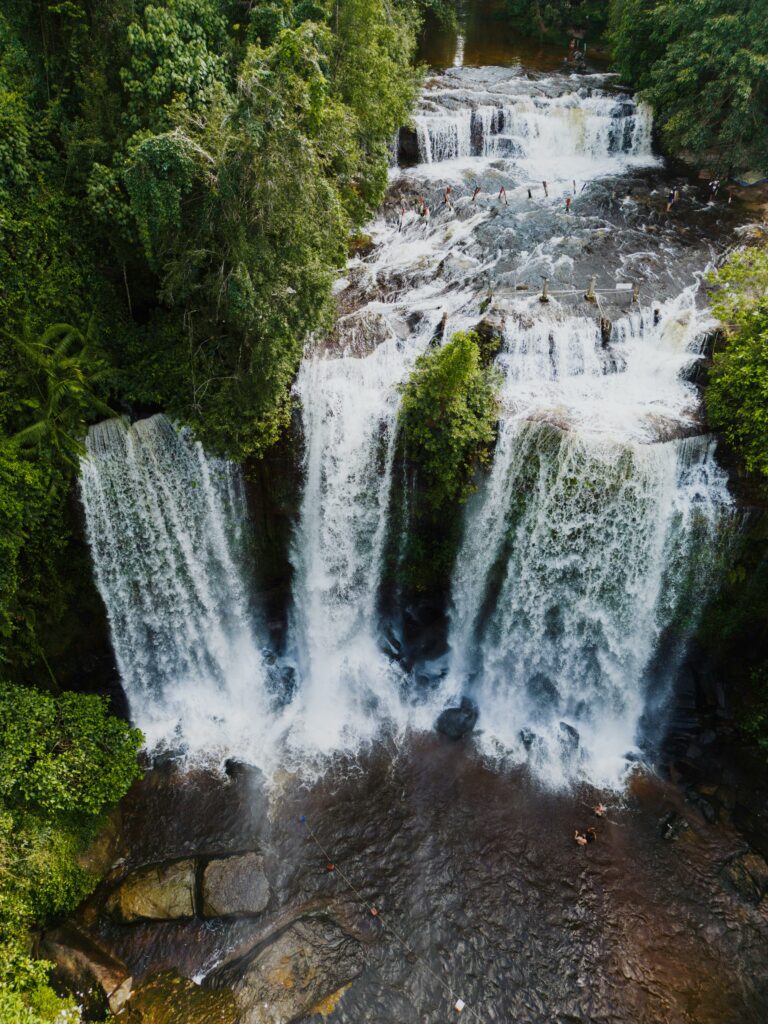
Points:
(165, 892)
(235, 886)
(307, 963)
(101, 981)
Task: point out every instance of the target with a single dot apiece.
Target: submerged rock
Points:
(457, 722)
(235, 886)
(165, 892)
(569, 737)
(527, 738)
(308, 963)
(673, 826)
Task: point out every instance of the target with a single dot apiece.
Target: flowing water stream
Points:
(592, 537)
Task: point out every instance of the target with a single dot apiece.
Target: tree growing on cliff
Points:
(447, 427)
(737, 395)
(448, 419)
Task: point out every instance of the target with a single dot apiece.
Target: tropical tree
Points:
(60, 378)
(703, 65)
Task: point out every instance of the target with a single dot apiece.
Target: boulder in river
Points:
(306, 965)
(408, 146)
(101, 981)
(235, 886)
(164, 892)
(167, 998)
(569, 737)
(457, 722)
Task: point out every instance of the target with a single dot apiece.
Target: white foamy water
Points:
(594, 527)
(577, 551)
(165, 528)
(553, 128)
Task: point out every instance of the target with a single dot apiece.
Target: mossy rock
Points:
(167, 998)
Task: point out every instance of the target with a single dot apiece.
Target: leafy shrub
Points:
(448, 419)
(63, 761)
(737, 395)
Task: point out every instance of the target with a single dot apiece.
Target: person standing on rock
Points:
(476, 193)
(546, 190)
(447, 201)
(567, 204)
(503, 195)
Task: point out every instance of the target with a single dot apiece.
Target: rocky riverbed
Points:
(221, 905)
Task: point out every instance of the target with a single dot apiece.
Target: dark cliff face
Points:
(273, 488)
(712, 743)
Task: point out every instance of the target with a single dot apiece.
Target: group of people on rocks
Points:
(422, 207)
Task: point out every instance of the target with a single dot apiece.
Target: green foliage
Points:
(58, 386)
(63, 761)
(249, 153)
(754, 718)
(703, 65)
(552, 18)
(635, 40)
(63, 755)
(448, 419)
(176, 61)
(737, 394)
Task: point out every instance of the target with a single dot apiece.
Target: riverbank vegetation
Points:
(737, 407)
(63, 761)
(703, 67)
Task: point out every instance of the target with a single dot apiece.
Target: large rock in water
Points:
(164, 892)
(306, 965)
(101, 980)
(457, 722)
(235, 885)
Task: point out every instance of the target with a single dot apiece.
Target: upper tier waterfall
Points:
(590, 542)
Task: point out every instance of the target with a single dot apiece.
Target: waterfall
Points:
(574, 558)
(165, 525)
(589, 545)
(349, 409)
(549, 132)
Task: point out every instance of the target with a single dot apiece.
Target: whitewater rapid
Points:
(591, 540)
